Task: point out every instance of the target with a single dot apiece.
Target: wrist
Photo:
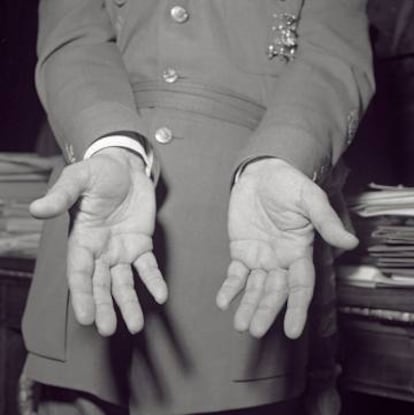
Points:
(135, 143)
(265, 165)
(124, 156)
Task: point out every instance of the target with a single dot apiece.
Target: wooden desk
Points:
(377, 355)
(15, 277)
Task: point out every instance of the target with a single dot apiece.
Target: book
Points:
(370, 276)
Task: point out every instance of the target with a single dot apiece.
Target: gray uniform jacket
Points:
(211, 84)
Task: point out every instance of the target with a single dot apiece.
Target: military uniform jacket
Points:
(211, 83)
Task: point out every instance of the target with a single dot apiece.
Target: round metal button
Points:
(163, 135)
(170, 75)
(179, 14)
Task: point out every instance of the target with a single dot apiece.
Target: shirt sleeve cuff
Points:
(131, 144)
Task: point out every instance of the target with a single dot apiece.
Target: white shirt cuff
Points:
(122, 142)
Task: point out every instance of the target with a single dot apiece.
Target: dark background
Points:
(20, 112)
(384, 147)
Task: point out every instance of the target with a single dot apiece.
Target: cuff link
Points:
(134, 142)
(285, 38)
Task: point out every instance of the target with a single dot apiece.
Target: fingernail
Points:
(222, 302)
(105, 330)
(135, 327)
(257, 330)
(161, 295)
(240, 324)
(84, 317)
(292, 328)
(354, 239)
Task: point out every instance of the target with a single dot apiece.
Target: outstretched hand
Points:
(273, 214)
(112, 203)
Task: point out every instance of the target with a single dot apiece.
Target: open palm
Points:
(273, 214)
(112, 204)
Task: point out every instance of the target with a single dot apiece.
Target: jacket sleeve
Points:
(322, 93)
(80, 76)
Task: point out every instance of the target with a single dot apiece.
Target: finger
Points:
(105, 314)
(151, 276)
(80, 266)
(236, 280)
(325, 219)
(275, 295)
(125, 296)
(301, 281)
(250, 300)
(72, 182)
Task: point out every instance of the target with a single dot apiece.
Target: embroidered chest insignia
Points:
(284, 40)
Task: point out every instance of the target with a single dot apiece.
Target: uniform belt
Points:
(213, 102)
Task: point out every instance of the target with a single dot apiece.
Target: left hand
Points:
(273, 214)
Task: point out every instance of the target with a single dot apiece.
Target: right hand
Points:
(112, 203)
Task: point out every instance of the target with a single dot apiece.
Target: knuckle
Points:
(302, 293)
(101, 285)
(153, 277)
(277, 284)
(123, 293)
(103, 303)
(146, 263)
(298, 288)
(122, 284)
(130, 303)
(231, 284)
(266, 307)
(255, 284)
(276, 293)
(249, 302)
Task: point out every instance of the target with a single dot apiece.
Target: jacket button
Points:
(170, 75)
(163, 135)
(179, 14)
(120, 3)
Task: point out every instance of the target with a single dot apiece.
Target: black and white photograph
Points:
(206, 207)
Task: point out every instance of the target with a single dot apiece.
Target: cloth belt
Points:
(213, 102)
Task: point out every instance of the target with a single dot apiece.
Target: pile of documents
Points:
(383, 218)
(23, 178)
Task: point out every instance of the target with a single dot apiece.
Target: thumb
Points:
(71, 184)
(325, 219)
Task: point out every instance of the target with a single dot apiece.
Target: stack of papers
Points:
(383, 218)
(372, 277)
(384, 200)
(23, 178)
